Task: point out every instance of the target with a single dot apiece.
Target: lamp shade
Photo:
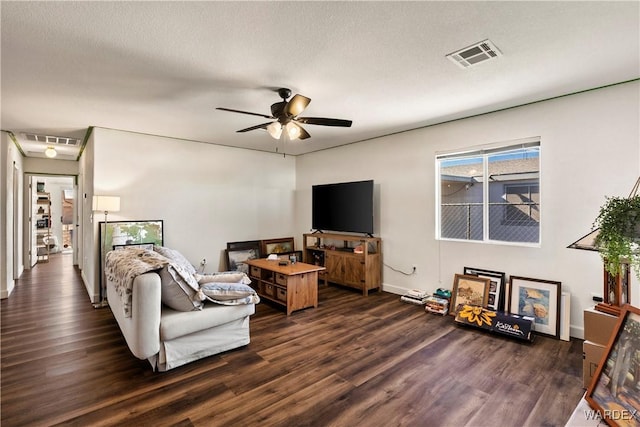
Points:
(275, 130)
(106, 203)
(587, 242)
(293, 130)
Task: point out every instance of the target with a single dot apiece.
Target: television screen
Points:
(346, 206)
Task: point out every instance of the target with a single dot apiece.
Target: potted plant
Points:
(619, 233)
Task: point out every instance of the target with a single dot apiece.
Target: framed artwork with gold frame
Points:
(469, 290)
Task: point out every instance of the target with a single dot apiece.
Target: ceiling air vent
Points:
(475, 54)
(48, 139)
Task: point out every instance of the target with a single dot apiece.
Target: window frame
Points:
(485, 152)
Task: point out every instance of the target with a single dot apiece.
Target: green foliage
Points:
(618, 238)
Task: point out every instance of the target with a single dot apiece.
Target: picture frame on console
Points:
(612, 391)
(538, 299)
(469, 290)
(496, 287)
(239, 252)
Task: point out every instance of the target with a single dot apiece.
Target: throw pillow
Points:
(230, 293)
(223, 277)
(176, 257)
(179, 289)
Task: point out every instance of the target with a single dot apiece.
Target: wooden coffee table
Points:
(295, 286)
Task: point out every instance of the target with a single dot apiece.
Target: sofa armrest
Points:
(142, 330)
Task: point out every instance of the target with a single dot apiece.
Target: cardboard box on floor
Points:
(591, 355)
(598, 326)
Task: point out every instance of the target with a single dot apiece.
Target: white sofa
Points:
(169, 338)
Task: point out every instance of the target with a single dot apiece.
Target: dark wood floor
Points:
(353, 361)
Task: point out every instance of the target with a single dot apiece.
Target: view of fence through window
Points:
(491, 195)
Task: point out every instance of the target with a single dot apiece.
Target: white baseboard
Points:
(10, 287)
(92, 296)
(394, 289)
(577, 332)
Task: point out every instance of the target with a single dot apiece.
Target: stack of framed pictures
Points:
(495, 294)
(537, 299)
(239, 252)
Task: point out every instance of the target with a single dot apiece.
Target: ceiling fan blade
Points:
(296, 105)
(262, 126)
(244, 112)
(323, 121)
(303, 134)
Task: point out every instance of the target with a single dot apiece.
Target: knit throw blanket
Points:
(122, 266)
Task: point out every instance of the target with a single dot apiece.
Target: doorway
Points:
(51, 211)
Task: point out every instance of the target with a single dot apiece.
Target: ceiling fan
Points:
(285, 113)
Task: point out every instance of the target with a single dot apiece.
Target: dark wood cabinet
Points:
(352, 261)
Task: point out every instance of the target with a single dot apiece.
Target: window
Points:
(490, 195)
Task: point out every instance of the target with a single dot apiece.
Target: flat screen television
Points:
(345, 206)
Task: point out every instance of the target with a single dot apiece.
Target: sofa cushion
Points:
(176, 257)
(174, 324)
(230, 293)
(223, 277)
(179, 289)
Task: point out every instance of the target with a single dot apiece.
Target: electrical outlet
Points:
(203, 262)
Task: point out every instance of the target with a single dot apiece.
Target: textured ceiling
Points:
(161, 68)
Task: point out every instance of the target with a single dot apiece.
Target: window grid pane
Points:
(461, 204)
(512, 210)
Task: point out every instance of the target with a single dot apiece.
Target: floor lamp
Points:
(106, 204)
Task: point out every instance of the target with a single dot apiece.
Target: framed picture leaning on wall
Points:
(613, 391)
(239, 252)
(115, 234)
(469, 290)
(539, 299)
(277, 246)
(496, 286)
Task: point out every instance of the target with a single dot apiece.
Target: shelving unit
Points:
(42, 224)
(353, 261)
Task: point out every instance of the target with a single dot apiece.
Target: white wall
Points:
(590, 146)
(207, 195)
(86, 234)
(41, 166)
(10, 156)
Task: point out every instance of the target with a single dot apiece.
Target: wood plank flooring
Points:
(353, 361)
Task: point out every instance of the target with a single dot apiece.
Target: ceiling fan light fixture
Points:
(275, 130)
(293, 130)
(50, 152)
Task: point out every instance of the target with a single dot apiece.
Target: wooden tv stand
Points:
(346, 265)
